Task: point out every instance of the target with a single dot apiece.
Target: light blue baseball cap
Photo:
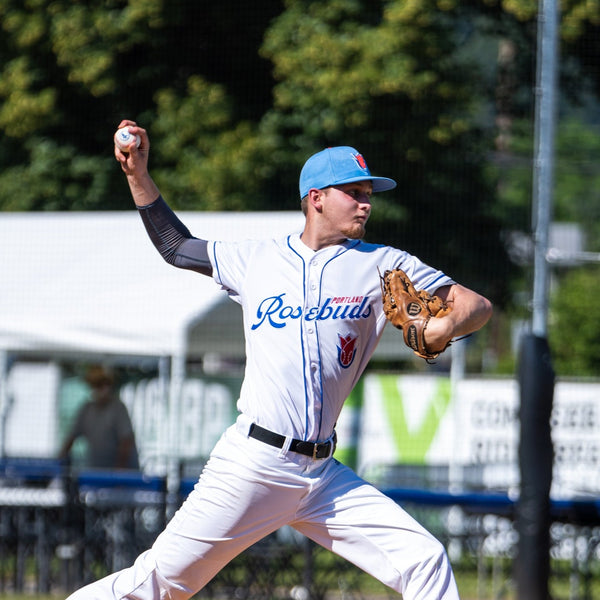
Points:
(338, 165)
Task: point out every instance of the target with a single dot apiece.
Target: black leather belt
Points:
(322, 450)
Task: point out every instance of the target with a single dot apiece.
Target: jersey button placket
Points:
(312, 351)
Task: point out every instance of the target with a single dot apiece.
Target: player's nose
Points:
(364, 202)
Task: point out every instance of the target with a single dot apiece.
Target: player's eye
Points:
(359, 194)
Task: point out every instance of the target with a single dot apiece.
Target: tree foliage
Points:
(237, 95)
(574, 332)
(576, 189)
(70, 71)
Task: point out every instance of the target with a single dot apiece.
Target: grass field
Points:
(470, 587)
(334, 579)
(468, 591)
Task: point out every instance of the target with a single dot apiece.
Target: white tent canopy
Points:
(92, 283)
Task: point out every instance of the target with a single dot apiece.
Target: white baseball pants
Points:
(248, 490)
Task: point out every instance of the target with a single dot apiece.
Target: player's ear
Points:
(315, 198)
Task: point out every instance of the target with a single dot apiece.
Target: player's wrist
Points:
(143, 189)
(438, 333)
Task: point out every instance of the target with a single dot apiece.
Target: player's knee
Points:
(437, 555)
(169, 582)
(171, 589)
(148, 578)
(435, 564)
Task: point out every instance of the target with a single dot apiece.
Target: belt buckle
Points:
(315, 450)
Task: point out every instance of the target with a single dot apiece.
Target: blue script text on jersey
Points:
(274, 311)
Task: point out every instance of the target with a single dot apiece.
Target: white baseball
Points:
(299, 592)
(123, 139)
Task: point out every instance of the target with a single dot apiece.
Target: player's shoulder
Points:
(250, 244)
(381, 252)
(388, 258)
(367, 247)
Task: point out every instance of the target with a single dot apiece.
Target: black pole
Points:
(536, 456)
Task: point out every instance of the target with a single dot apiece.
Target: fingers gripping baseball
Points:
(131, 146)
(411, 311)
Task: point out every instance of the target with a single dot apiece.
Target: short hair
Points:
(304, 205)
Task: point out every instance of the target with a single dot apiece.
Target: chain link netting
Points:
(56, 535)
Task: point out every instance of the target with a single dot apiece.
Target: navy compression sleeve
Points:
(172, 238)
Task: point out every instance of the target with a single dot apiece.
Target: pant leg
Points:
(355, 520)
(245, 492)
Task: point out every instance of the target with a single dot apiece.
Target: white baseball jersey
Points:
(311, 320)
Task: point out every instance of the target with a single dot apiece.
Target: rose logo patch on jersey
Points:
(346, 350)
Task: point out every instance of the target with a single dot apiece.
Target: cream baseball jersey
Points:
(311, 321)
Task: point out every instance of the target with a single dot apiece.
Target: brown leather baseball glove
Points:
(411, 310)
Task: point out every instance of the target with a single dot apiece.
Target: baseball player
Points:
(312, 318)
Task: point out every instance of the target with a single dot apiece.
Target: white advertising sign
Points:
(421, 420)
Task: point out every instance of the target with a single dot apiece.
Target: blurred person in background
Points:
(105, 424)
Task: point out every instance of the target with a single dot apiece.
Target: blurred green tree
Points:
(69, 72)
(576, 192)
(574, 331)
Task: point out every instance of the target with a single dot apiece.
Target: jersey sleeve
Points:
(427, 278)
(229, 264)
(423, 276)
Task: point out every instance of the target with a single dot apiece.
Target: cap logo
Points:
(362, 163)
